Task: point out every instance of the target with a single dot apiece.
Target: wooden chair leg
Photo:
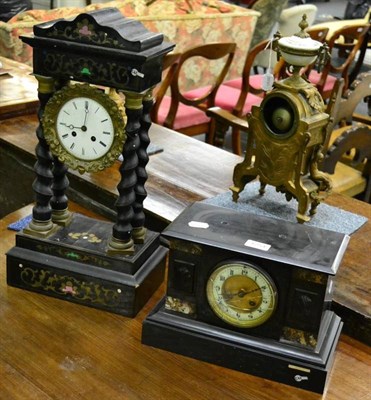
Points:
(236, 141)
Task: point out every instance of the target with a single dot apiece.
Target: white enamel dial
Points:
(85, 128)
(241, 294)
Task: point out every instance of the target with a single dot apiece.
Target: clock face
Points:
(241, 294)
(84, 128)
(280, 117)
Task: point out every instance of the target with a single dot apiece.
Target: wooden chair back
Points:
(205, 96)
(237, 96)
(248, 86)
(348, 40)
(342, 106)
(359, 90)
(169, 66)
(317, 33)
(355, 140)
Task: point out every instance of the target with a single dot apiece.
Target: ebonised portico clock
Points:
(250, 293)
(85, 67)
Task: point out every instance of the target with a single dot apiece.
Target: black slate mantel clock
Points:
(84, 66)
(250, 293)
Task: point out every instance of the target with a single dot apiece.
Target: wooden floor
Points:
(52, 349)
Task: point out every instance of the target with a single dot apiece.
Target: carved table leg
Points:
(139, 231)
(121, 241)
(41, 224)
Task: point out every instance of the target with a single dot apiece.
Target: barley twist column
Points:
(41, 224)
(121, 241)
(139, 231)
(59, 201)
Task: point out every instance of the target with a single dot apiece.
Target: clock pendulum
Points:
(82, 66)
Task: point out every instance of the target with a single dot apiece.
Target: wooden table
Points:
(18, 89)
(52, 349)
(58, 349)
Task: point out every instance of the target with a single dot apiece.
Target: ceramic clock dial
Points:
(84, 128)
(241, 294)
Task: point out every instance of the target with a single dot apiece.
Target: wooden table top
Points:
(18, 89)
(186, 171)
(53, 349)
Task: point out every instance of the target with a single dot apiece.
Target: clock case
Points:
(296, 345)
(100, 48)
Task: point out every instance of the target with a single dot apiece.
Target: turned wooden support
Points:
(121, 241)
(139, 231)
(59, 201)
(41, 224)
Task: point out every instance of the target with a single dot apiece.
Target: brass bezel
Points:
(294, 108)
(223, 315)
(49, 119)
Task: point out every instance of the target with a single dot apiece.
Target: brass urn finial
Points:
(303, 25)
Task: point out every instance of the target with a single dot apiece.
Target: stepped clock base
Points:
(72, 264)
(299, 367)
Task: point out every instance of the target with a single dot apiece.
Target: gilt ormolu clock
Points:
(287, 131)
(250, 293)
(83, 66)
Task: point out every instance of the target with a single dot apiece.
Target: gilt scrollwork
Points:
(84, 68)
(64, 285)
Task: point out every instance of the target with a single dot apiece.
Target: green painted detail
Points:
(73, 255)
(85, 71)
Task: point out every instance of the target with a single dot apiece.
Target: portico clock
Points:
(84, 127)
(96, 73)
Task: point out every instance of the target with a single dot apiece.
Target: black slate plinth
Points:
(296, 343)
(260, 357)
(72, 264)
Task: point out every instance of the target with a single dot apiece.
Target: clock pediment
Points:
(100, 47)
(107, 28)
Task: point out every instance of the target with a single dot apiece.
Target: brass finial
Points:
(303, 25)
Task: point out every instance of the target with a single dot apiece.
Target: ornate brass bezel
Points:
(108, 102)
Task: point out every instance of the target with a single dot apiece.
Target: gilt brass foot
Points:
(235, 193)
(139, 234)
(41, 229)
(301, 218)
(116, 247)
(62, 217)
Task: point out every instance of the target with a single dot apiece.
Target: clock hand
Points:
(70, 126)
(86, 114)
(241, 293)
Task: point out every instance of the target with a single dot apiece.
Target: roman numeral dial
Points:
(85, 128)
